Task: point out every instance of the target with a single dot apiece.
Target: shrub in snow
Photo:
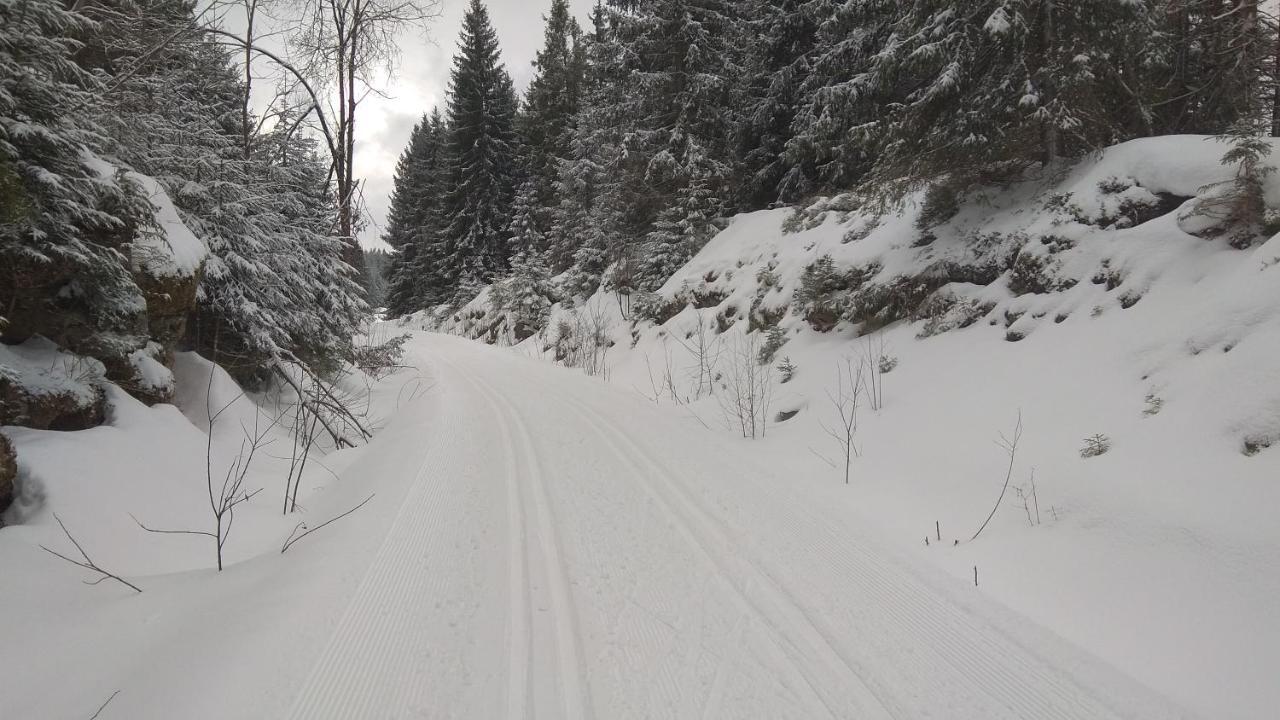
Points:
(774, 339)
(1256, 444)
(657, 309)
(766, 277)
(940, 203)
(525, 296)
(8, 474)
(1235, 209)
(1032, 272)
(821, 295)
(887, 363)
(786, 370)
(1095, 446)
(1154, 404)
(945, 310)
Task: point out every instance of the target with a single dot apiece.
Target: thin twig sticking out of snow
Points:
(288, 543)
(104, 705)
(88, 564)
(1010, 446)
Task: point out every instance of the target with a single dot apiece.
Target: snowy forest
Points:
(641, 133)
(777, 359)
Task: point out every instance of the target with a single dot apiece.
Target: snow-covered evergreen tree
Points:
(680, 61)
(526, 295)
(482, 153)
(778, 65)
(1004, 84)
(274, 285)
(64, 226)
(413, 221)
(841, 100)
(1214, 60)
(586, 185)
(550, 105)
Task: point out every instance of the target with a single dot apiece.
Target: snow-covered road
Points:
(565, 550)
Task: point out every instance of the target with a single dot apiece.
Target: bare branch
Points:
(289, 542)
(87, 564)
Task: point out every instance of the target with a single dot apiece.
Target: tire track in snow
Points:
(569, 675)
(803, 646)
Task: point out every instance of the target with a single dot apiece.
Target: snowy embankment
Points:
(1082, 302)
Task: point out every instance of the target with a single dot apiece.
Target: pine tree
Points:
(413, 221)
(679, 102)
(481, 157)
(65, 217)
(778, 66)
(1002, 85)
(835, 133)
(550, 106)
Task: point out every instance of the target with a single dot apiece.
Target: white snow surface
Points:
(1160, 557)
(40, 368)
(539, 545)
(544, 544)
(170, 247)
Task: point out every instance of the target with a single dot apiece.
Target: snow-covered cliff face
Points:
(1103, 305)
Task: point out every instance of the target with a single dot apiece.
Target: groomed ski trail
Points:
(569, 551)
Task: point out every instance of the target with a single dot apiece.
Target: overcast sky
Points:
(420, 82)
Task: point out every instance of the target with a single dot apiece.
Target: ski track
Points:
(568, 670)
(557, 555)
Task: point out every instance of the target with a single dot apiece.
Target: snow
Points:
(1159, 557)
(541, 543)
(151, 373)
(174, 249)
(596, 557)
(166, 248)
(40, 368)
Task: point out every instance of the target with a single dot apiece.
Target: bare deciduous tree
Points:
(346, 45)
(228, 493)
(845, 399)
(747, 388)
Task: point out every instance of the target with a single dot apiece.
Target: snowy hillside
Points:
(1140, 357)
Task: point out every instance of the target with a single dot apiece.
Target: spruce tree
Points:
(413, 221)
(274, 286)
(836, 129)
(550, 106)
(679, 104)
(482, 153)
(584, 235)
(65, 217)
(1002, 85)
(778, 65)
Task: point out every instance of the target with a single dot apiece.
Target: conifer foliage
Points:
(639, 137)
